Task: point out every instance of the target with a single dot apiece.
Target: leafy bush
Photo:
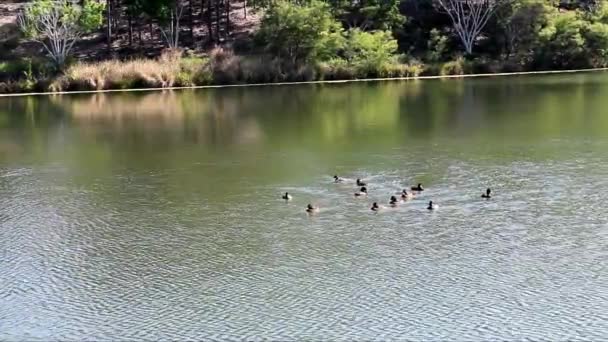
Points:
(15, 69)
(300, 33)
(335, 69)
(58, 24)
(401, 70)
(562, 44)
(225, 66)
(483, 65)
(455, 67)
(596, 44)
(437, 46)
(259, 69)
(370, 48)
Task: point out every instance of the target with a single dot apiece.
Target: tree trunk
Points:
(139, 32)
(115, 16)
(245, 9)
(227, 19)
(217, 21)
(109, 24)
(191, 17)
(130, 23)
(209, 21)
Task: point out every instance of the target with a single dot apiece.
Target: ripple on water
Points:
(528, 264)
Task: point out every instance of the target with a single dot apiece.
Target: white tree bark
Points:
(171, 33)
(57, 36)
(469, 17)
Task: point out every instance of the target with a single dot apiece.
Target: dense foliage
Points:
(58, 24)
(518, 34)
(321, 39)
(300, 33)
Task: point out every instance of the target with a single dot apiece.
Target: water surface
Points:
(158, 215)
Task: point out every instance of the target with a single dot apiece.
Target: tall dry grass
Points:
(222, 66)
(169, 70)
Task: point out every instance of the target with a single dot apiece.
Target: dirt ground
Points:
(95, 47)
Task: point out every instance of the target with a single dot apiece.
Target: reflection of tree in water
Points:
(27, 122)
(162, 118)
(310, 115)
(522, 109)
(429, 111)
(315, 115)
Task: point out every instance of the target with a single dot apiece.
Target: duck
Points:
(287, 196)
(361, 192)
(338, 179)
(405, 195)
(432, 206)
(311, 209)
(418, 187)
(360, 182)
(375, 207)
(487, 194)
(393, 201)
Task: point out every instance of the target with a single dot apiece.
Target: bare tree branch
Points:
(58, 24)
(469, 17)
(171, 33)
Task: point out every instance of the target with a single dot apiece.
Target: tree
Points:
(562, 44)
(436, 46)
(170, 29)
(58, 24)
(368, 14)
(370, 48)
(520, 23)
(596, 37)
(168, 13)
(300, 32)
(469, 17)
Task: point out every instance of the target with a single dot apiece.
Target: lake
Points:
(158, 215)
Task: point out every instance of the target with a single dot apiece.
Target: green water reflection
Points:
(273, 134)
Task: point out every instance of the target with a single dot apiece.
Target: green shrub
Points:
(483, 65)
(203, 77)
(15, 69)
(261, 69)
(370, 48)
(455, 67)
(194, 71)
(225, 66)
(400, 70)
(184, 79)
(562, 44)
(302, 73)
(596, 44)
(437, 46)
(335, 69)
(300, 32)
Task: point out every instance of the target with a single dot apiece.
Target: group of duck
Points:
(393, 201)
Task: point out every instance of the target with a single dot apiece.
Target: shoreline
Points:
(502, 74)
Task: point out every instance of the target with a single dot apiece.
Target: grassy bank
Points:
(171, 69)
(220, 67)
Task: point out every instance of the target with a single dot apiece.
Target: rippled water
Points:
(158, 216)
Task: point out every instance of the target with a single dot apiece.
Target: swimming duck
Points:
(432, 206)
(418, 187)
(360, 182)
(311, 209)
(405, 195)
(375, 207)
(487, 194)
(393, 201)
(338, 179)
(361, 192)
(287, 196)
